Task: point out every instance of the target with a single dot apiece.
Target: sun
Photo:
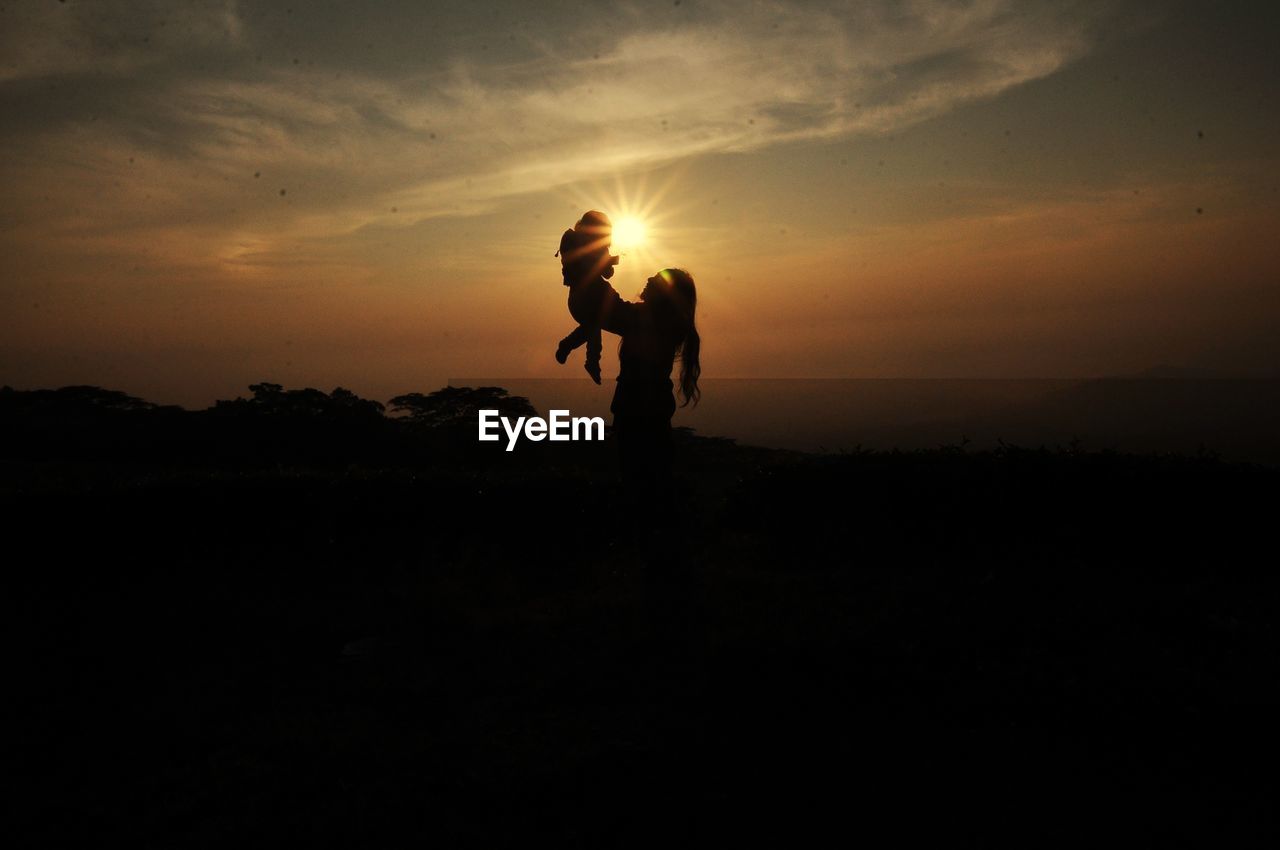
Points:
(628, 234)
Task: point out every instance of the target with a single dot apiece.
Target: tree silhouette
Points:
(69, 400)
(459, 405)
(273, 399)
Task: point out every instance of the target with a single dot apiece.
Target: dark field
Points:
(297, 625)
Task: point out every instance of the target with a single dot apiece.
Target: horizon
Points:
(1159, 372)
(1235, 419)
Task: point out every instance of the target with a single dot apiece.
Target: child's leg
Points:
(594, 347)
(594, 343)
(586, 304)
(580, 335)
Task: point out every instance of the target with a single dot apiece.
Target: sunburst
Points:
(642, 220)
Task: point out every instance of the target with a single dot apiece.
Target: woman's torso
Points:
(645, 361)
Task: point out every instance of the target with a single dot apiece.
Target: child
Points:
(586, 265)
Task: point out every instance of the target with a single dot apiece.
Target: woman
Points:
(656, 331)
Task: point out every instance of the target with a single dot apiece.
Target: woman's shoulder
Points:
(621, 316)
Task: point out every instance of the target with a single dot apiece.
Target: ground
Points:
(1024, 643)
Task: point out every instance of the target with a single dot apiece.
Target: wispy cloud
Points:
(461, 132)
(40, 40)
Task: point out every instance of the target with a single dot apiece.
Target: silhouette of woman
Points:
(656, 331)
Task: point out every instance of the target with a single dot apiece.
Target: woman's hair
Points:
(682, 297)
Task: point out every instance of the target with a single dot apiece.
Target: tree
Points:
(458, 405)
(275, 400)
(74, 400)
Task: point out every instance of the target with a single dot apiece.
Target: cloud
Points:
(41, 40)
(412, 137)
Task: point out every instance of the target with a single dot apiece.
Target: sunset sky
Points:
(202, 195)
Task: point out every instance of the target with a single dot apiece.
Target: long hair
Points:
(683, 298)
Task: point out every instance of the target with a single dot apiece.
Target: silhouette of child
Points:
(586, 265)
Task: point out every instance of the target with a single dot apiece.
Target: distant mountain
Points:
(1168, 371)
(1237, 418)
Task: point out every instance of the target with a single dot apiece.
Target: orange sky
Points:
(204, 195)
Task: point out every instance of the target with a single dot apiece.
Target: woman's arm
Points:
(617, 316)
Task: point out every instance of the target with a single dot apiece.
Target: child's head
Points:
(584, 250)
(594, 221)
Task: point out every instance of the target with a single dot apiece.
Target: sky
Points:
(204, 195)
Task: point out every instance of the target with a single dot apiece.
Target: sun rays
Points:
(643, 219)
